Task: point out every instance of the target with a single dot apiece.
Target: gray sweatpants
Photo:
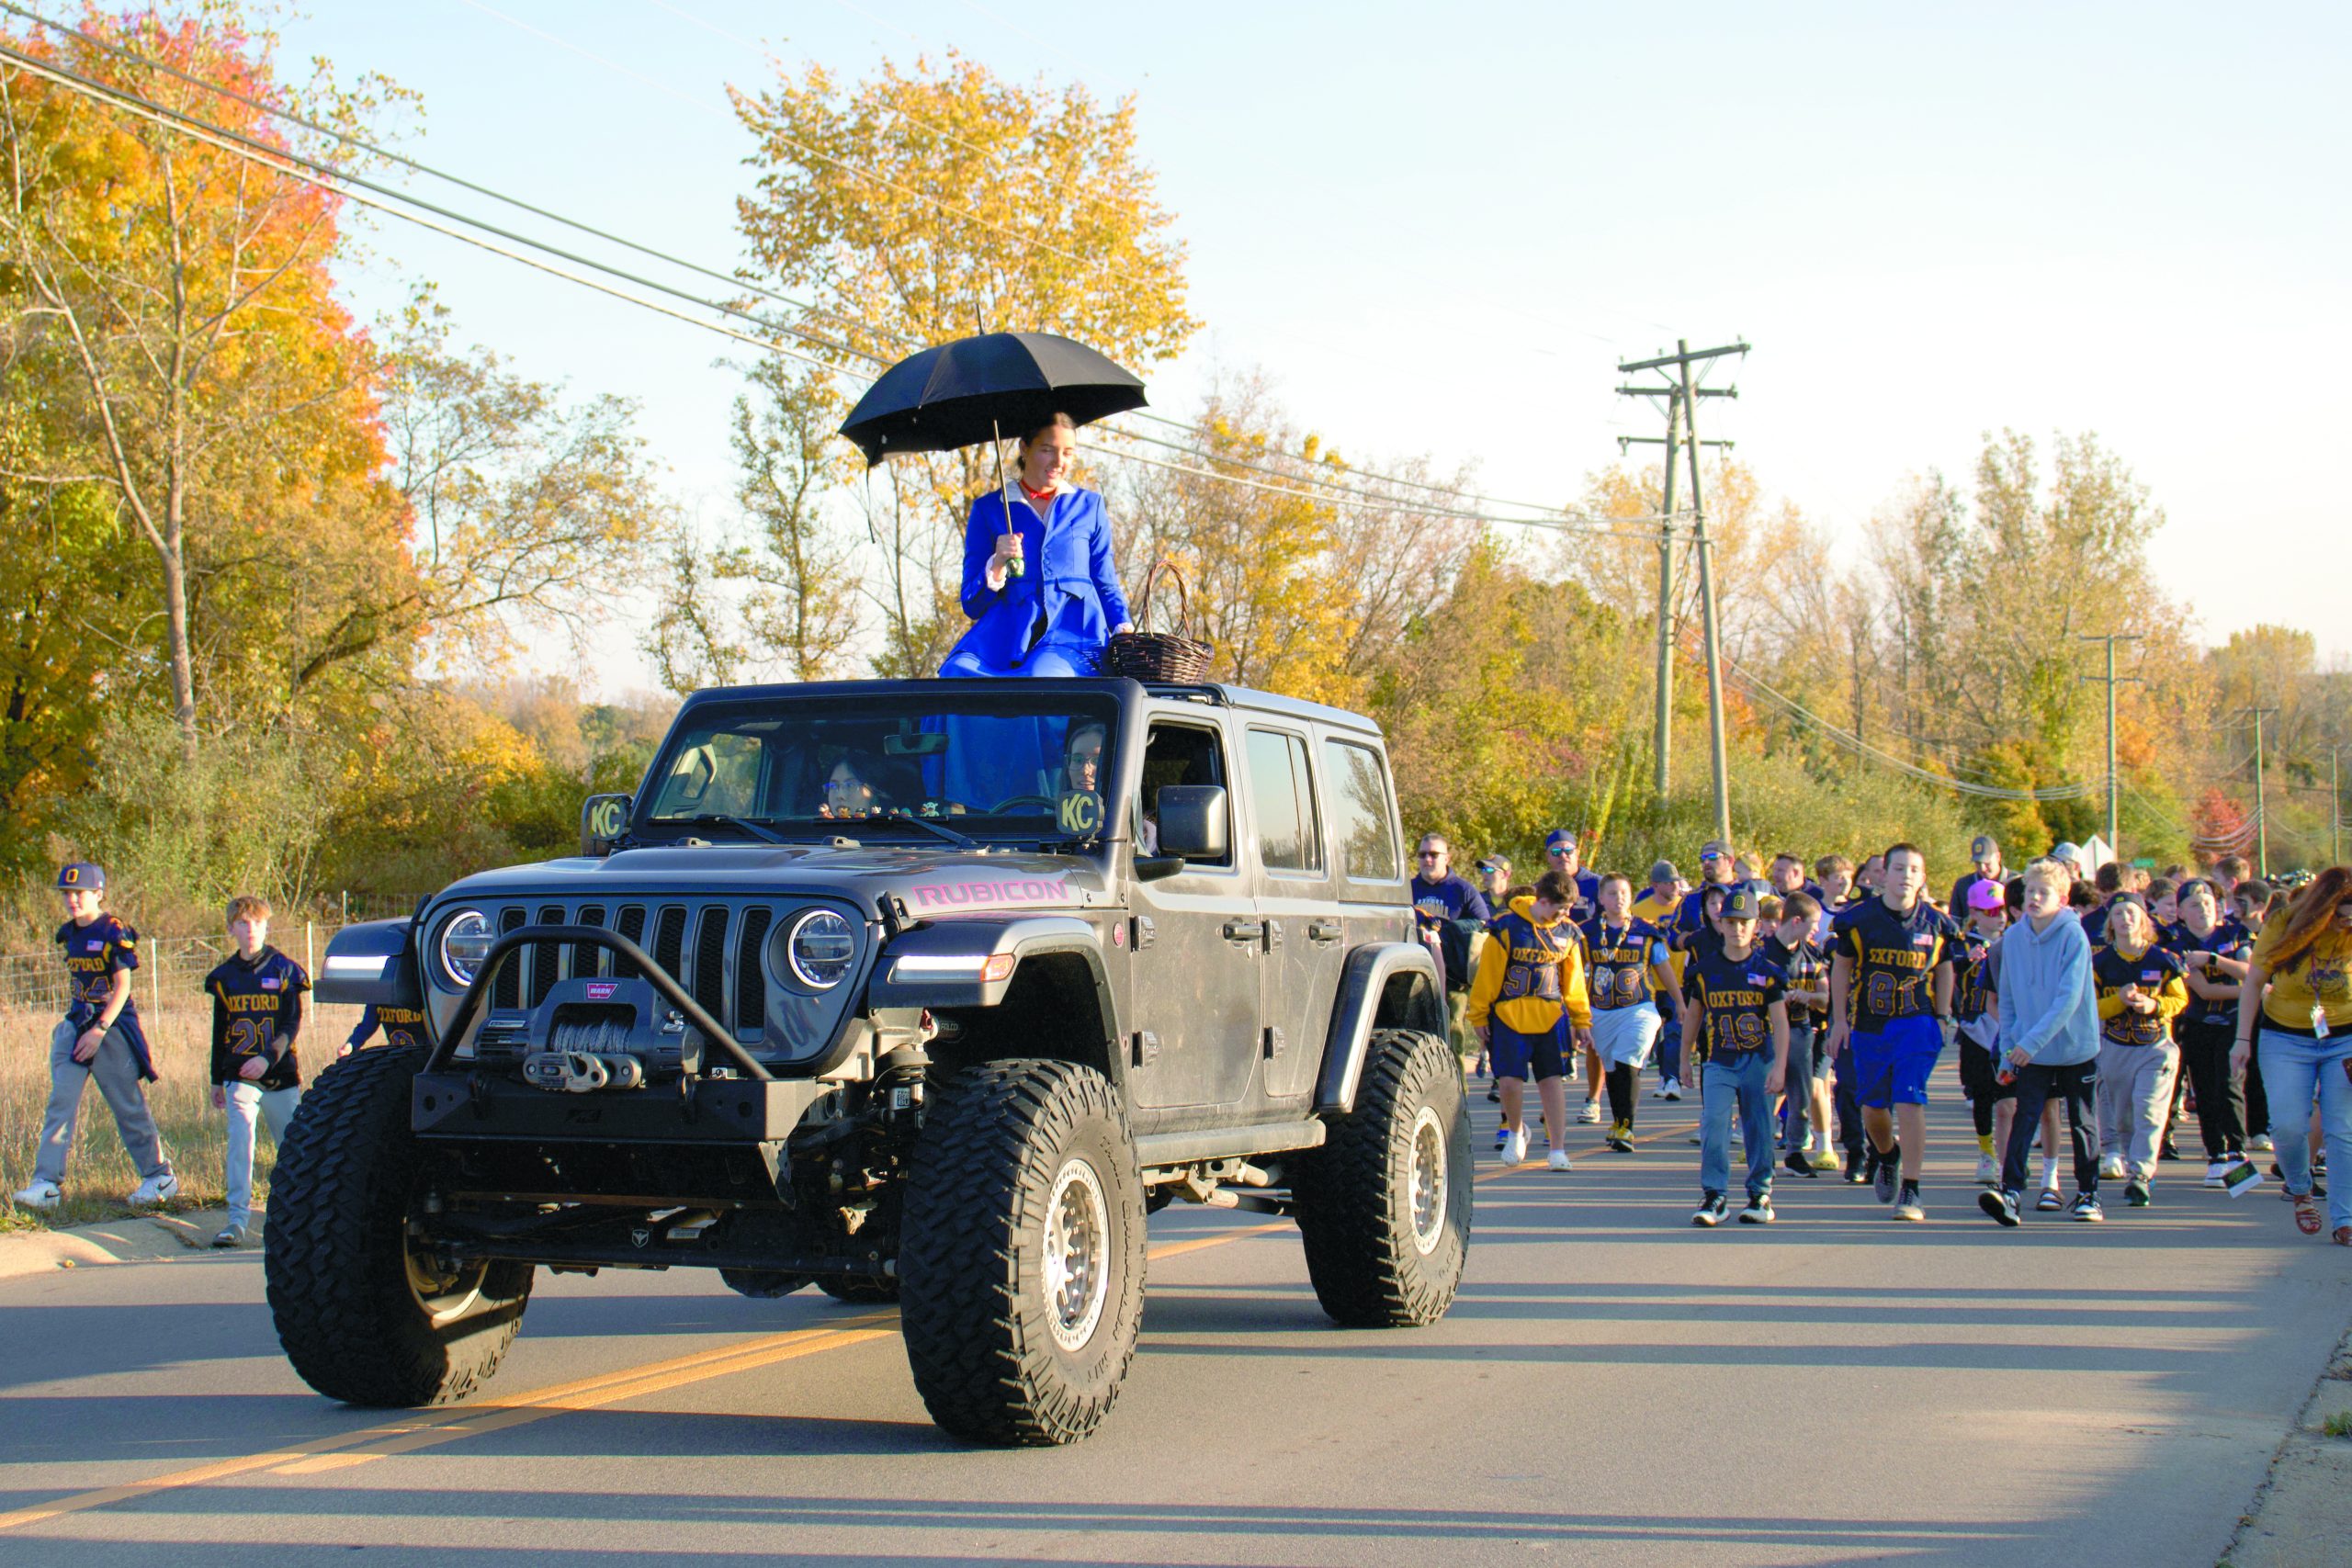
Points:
(117, 1071)
(248, 1104)
(2134, 1102)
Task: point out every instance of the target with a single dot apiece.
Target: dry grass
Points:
(99, 1175)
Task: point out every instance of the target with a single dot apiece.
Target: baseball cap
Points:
(1495, 863)
(1984, 848)
(1558, 836)
(80, 873)
(2131, 898)
(1740, 903)
(1714, 849)
(1664, 872)
(2067, 852)
(1986, 896)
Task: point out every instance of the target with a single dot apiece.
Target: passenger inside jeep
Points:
(1175, 755)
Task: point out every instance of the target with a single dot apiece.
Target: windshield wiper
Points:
(928, 825)
(755, 830)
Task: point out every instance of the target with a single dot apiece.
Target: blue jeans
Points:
(1730, 1080)
(2294, 1068)
(1669, 1051)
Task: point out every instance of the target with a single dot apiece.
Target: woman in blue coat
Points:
(1055, 615)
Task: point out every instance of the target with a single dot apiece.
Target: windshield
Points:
(1010, 764)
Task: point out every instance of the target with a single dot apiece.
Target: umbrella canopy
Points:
(978, 388)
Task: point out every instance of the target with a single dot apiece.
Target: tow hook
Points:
(582, 1072)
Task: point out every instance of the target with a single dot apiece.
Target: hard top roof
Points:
(1118, 687)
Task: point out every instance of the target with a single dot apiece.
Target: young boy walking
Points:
(1528, 1007)
(1735, 999)
(2141, 989)
(1628, 959)
(1977, 1023)
(1806, 968)
(256, 1014)
(99, 1038)
(1890, 991)
(2050, 1028)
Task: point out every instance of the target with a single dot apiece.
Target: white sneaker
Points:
(1673, 1089)
(41, 1195)
(1591, 1114)
(2260, 1143)
(153, 1191)
(2111, 1168)
(1988, 1171)
(1514, 1148)
(1559, 1161)
(2216, 1171)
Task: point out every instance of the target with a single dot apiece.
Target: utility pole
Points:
(1681, 392)
(2114, 833)
(2261, 821)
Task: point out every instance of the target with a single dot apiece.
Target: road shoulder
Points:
(136, 1239)
(2303, 1515)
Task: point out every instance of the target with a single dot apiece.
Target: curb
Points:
(138, 1239)
(2302, 1514)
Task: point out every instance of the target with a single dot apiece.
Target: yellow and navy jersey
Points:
(1621, 963)
(1973, 977)
(1893, 959)
(1805, 968)
(2156, 972)
(402, 1027)
(1734, 998)
(2228, 939)
(1657, 911)
(94, 954)
(256, 1012)
(1530, 973)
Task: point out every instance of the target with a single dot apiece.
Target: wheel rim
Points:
(444, 1296)
(1076, 1276)
(1425, 1183)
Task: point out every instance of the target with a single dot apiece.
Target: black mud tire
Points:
(362, 1321)
(761, 1284)
(858, 1291)
(1007, 1148)
(1380, 1256)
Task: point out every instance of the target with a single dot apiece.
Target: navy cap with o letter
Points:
(1741, 905)
(80, 873)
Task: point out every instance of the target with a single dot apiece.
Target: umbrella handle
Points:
(1183, 598)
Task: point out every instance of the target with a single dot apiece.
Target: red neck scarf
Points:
(1036, 495)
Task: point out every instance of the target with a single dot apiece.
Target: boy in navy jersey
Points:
(256, 1014)
(1889, 992)
(99, 1038)
(2215, 947)
(402, 1027)
(1806, 968)
(1627, 959)
(2141, 989)
(1732, 996)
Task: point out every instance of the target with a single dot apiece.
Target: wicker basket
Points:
(1145, 655)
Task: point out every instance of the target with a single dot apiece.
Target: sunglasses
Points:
(1432, 855)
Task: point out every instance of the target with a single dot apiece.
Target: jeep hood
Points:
(932, 880)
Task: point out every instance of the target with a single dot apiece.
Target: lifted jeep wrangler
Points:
(922, 991)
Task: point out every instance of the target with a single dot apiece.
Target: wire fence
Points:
(175, 965)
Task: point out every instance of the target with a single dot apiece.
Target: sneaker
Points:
(1886, 1169)
(2111, 1168)
(2002, 1206)
(1988, 1171)
(231, 1235)
(1803, 1166)
(2217, 1173)
(2259, 1144)
(41, 1195)
(2086, 1208)
(2241, 1178)
(1591, 1114)
(1514, 1150)
(1696, 1140)
(153, 1191)
(1759, 1211)
(1502, 1139)
(1621, 1139)
(1907, 1205)
(1711, 1211)
(1857, 1169)
(2170, 1150)
(1559, 1161)
(2050, 1203)
(1494, 1097)
(2137, 1195)
(1673, 1089)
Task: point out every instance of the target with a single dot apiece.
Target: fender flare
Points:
(958, 949)
(1370, 970)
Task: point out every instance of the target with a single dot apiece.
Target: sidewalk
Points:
(2307, 1501)
(140, 1238)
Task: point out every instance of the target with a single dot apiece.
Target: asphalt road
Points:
(1611, 1387)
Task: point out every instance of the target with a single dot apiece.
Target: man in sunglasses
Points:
(1449, 913)
(1564, 852)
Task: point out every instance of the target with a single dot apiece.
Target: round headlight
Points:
(821, 949)
(465, 943)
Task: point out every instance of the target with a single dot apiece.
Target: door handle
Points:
(1324, 930)
(1244, 930)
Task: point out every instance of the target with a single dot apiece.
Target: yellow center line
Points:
(410, 1434)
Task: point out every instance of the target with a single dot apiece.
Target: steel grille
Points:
(670, 940)
(546, 956)
(631, 925)
(587, 958)
(751, 978)
(710, 962)
(716, 948)
(507, 990)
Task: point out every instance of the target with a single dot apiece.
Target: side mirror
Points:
(1193, 822)
(602, 819)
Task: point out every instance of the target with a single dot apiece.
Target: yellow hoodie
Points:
(1530, 972)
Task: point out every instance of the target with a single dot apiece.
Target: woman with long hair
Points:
(2297, 989)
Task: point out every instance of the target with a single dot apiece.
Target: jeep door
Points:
(1193, 942)
(1367, 848)
(1305, 937)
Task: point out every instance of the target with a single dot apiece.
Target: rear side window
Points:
(1364, 817)
(1283, 802)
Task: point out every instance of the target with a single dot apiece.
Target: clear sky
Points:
(1436, 229)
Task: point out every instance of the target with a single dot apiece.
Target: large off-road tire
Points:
(762, 1283)
(363, 1316)
(1383, 1206)
(1021, 1254)
(859, 1292)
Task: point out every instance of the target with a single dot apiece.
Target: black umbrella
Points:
(982, 389)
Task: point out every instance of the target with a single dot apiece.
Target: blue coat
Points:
(1055, 617)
